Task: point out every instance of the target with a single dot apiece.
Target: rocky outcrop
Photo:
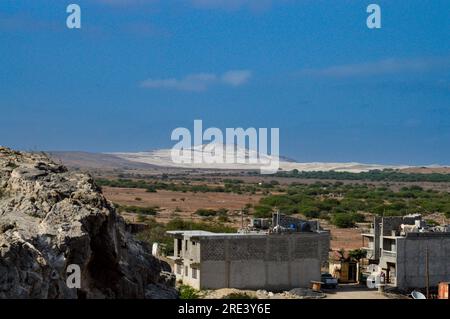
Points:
(51, 218)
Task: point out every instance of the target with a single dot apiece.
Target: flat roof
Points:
(189, 232)
(202, 233)
(205, 234)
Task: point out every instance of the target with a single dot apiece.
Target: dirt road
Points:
(353, 291)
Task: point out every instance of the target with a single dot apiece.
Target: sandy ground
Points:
(353, 291)
(187, 203)
(347, 238)
(344, 291)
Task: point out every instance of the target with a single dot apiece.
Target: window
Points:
(179, 243)
(186, 270)
(194, 273)
(178, 269)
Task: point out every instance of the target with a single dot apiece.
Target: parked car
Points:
(328, 281)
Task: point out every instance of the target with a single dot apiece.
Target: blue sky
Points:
(137, 69)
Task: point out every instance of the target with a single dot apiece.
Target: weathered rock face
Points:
(51, 218)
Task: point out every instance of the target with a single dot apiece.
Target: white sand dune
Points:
(163, 158)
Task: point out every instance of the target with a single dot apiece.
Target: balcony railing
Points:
(368, 231)
(388, 253)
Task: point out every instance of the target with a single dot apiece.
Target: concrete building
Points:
(282, 258)
(403, 248)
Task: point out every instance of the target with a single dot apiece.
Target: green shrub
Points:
(263, 211)
(205, 212)
(391, 212)
(346, 220)
(432, 222)
(150, 189)
(311, 214)
(358, 218)
(277, 200)
(141, 218)
(187, 292)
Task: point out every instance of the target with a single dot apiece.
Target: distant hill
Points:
(96, 160)
(162, 159)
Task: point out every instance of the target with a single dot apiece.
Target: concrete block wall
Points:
(411, 256)
(276, 262)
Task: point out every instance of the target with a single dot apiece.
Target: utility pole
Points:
(427, 273)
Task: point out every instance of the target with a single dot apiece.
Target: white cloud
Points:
(236, 77)
(199, 82)
(386, 66)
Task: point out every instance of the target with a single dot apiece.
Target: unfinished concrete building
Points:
(409, 252)
(284, 257)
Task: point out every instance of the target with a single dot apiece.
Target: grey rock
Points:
(51, 218)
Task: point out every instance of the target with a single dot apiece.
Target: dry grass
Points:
(186, 203)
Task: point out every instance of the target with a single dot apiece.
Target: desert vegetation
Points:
(228, 186)
(344, 205)
(386, 175)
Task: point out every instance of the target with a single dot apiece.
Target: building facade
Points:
(408, 252)
(275, 261)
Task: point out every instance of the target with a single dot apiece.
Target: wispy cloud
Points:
(199, 82)
(386, 66)
(236, 77)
